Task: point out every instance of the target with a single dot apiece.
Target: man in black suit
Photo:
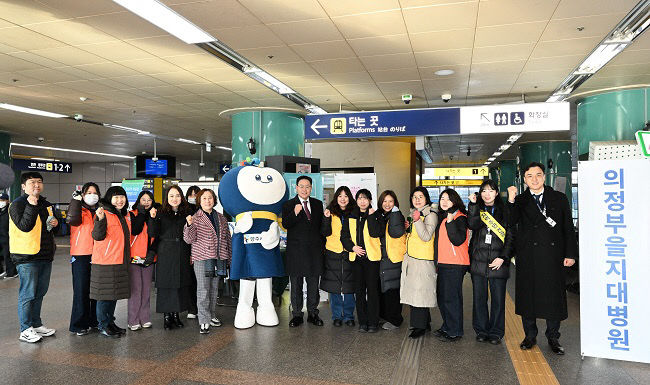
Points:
(302, 217)
(545, 242)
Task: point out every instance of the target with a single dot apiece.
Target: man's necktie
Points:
(304, 205)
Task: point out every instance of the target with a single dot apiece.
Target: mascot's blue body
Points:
(254, 197)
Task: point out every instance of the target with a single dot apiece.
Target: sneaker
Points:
(83, 332)
(3, 274)
(11, 276)
(215, 322)
(135, 327)
(44, 332)
(205, 329)
(29, 335)
(191, 316)
(389, 326)
(146, 325)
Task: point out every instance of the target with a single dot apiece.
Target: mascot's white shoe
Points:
(266, 315)
(245, 315)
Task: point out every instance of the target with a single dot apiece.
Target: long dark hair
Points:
(183, 208)
(143, 193)
(87, 185)
(334, 207)
(383, 196)
(457, 204)
(498, 202)
(424, 192)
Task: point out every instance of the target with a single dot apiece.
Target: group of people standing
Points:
(375, 260)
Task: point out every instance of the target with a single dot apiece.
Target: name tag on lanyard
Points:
(549, 220)
(488, 238)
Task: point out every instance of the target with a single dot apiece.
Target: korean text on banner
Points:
(614, 217)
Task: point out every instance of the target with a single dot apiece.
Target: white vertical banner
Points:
(614, 225)
(356, 182)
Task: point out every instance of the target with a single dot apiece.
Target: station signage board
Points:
(504, 118)
(461, 171)
(43, 166)
(643, 138)
(451, 182)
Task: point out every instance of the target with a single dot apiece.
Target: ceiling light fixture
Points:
(31, 111)
(224, 148)
(445, 72)
(187, 141)
(71, 150)
(167, 19)
(129, 129)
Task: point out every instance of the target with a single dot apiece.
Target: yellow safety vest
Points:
(395, 247)
(27, 243)
(333, 241)
(417, 248)
(373, 245)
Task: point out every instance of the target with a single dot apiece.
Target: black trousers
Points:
(10, 268)
(420, 317)
(491, 324)
(390, 308)
(530, 328)
(193, 309)
(366, 275)
(450, 298)
(313, 295)
(84, 309)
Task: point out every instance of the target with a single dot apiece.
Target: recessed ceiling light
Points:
(444, 72)
(32, 111)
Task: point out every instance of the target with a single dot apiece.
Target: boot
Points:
(245, 315)
(177, 320)
(168, 322)
(266, 315)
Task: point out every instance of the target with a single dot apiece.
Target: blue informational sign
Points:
(414, 122)
(46, 166)
(155, 168)
(224, 168)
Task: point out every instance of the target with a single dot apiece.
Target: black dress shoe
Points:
(556, 347)
(116, 328)
(108, 332)
(168, 322)
(337, 322)
(439, 333)
(527, 343)
(350, 322)
(177, 320)
(363, 328)
(447, 338)
(295, 321)
(417, 333)
(494, 340)
(315, 320)
(481, 338)
(373, 329)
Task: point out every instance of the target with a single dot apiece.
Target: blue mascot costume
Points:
(254, 197)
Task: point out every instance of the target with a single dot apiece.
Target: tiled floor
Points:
(304, 355)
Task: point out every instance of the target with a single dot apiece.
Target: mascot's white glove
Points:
(244, 223)
(271, 238)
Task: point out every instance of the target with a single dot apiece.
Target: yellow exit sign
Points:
(451, 182)
(461, 171)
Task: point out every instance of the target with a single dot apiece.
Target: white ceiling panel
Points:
(381, 45)
(323, 51)
(388, 62)
(509, 34)
(367, 25)
(442, 40)
(254, 36)
(307, 31)
(441, 17)
(278, 11)
(515, 11)
(338, 65)
(342, 7)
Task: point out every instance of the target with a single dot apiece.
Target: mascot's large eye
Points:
(269, 178)
(258, 177)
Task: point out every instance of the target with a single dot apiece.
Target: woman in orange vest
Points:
(451, 246)
(80, 218)
(338, 276)
(109, 276)
(388, 224)
(143, 255)
(418, 283)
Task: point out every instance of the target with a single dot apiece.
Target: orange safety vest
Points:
(447, 252)
(110, 251)
(81, 240)
(140, 243)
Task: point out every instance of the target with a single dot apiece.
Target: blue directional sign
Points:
(39, 165)
(414, 122)
(224, 168)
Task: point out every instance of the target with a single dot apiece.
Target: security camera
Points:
(78, 117)
(445, 97)
(41, 139)
(406, 98)
(201, 164)
(154, 159)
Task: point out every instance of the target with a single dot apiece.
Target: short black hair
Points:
(30, 175)
(192, 189)
(87, 185)
(305, 177)
(531, 165)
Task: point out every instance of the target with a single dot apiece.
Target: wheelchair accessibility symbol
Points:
(517, 118)
(338, 126)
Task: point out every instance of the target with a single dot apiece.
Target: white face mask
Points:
(91, 199)
(3, 205)
(191, 200)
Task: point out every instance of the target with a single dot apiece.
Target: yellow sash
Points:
(493, 225)
(260, 215)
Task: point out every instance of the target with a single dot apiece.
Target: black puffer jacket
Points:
(24, 215)
(389, 272)
(482, 254)
(338, 274)
(4, 225)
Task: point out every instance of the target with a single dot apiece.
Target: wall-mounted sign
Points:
(461, 171)
(451, 182)
(45, 166)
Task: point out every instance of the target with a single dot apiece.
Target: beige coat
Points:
(418, 281)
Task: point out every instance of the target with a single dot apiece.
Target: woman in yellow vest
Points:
(388, 224)
(490, 250)
(418, 283)
(451, 246)
(81, 213)
(366, 265)
(338, 276)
